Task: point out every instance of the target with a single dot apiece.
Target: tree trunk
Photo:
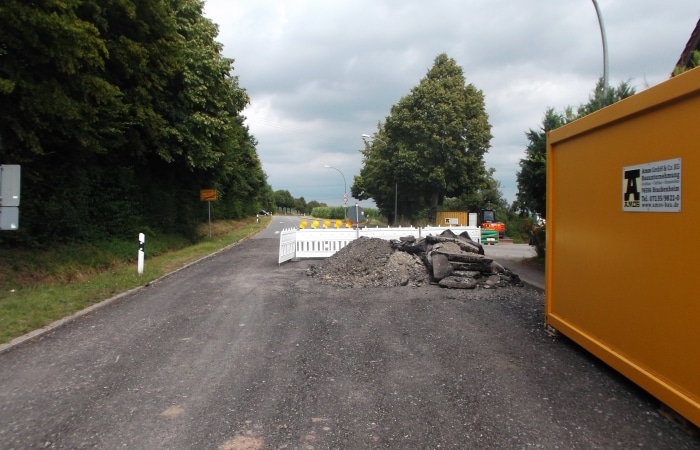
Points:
(434, 199)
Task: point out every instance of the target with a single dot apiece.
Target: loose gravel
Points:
(370, 262)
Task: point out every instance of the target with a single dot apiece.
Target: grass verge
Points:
(40, 287)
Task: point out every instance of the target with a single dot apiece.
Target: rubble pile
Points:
(370, 262)
(448, 260)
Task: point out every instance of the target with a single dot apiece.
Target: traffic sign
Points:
(345, 198)
(207, 195)
(356, 214)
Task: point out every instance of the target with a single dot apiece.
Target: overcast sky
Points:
(320, 73)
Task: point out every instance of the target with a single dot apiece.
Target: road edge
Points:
(6, 347)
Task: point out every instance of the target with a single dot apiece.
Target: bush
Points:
(338, 212)
(539, 240)
(328, 212)
(518, 228)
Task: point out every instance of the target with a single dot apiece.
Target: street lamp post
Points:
(345, 189)
(396, 186)
(605, 44)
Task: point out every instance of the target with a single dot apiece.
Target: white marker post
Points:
(142, 240)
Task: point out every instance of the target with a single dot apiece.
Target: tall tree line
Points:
(119, 112)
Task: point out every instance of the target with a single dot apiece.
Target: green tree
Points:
(603, 96)
(59, 115)
(202, 141)
(205, 98)
(430, 147)
(489, 195)
(300, 205)
(284, 200)
(311, 205)
(120, 111)
(52, 92)
(532, 177)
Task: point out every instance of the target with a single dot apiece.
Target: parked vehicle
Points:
(489, 222)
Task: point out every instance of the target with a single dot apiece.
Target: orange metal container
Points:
(615, 283)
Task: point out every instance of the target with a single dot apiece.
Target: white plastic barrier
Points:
(322, 243)
(390, 233)
(287, 244)
(325, 242)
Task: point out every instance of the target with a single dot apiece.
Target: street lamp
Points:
(605, 44)
(396, 187)
(345, 189)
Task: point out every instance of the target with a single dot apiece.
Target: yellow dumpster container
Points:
(616, 181)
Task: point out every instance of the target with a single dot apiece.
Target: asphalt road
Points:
(238, 353)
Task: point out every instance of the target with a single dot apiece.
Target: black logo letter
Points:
(631, 177)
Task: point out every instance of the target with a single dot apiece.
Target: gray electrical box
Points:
(9, 218)
(10, 177)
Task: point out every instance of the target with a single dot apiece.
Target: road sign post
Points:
(142, 242)
(208, 195)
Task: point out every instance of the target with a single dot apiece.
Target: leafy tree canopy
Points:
(489, 196)
(284, 199)
(119, 112)
(532, 177)
(431, 146)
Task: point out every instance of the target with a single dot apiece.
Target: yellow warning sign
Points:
(207, 195)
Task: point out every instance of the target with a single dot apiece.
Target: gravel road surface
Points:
(238, 353)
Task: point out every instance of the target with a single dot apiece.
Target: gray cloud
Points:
(322, 73)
